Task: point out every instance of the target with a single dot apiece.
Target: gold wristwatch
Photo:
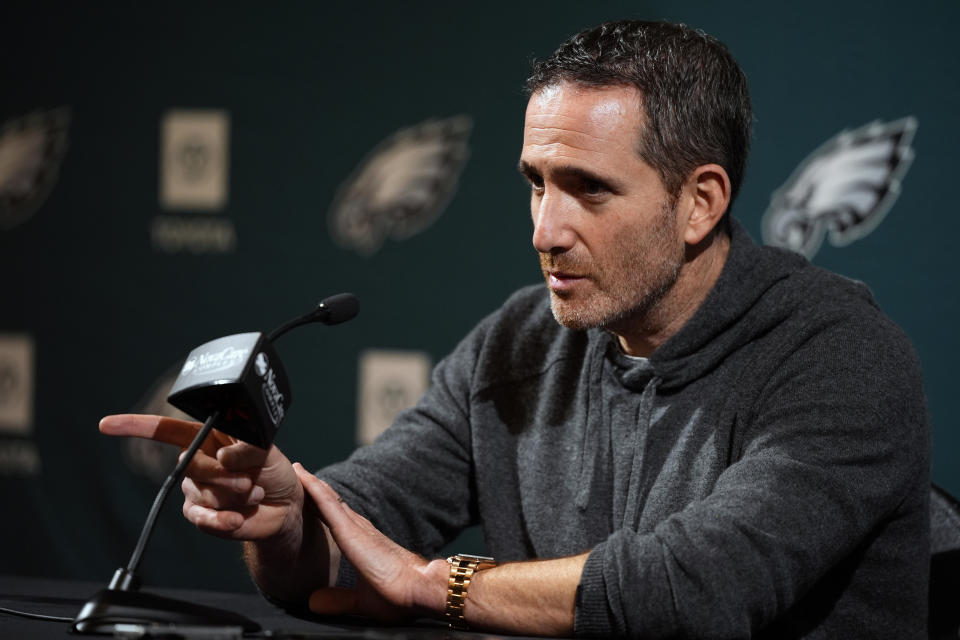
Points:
(462, 568)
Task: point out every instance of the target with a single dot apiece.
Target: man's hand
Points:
(241, 492)
(392, 583)
(231, 489)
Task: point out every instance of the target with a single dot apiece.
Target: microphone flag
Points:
(242, 377)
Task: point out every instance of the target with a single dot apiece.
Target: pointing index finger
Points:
(161, 429)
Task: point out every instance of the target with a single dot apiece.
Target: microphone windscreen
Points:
(339, 308)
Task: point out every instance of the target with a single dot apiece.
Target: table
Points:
(65, 598)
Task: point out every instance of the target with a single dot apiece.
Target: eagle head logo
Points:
(402, 186)
(845, 188)
(31, 149)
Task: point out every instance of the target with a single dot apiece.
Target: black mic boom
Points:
(333, 310)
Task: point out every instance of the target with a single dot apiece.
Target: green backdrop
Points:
(310, 89)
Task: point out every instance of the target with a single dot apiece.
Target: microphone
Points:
(238, 385)
(336, 309)
(242, 376)
(333, 310)
(240, 379)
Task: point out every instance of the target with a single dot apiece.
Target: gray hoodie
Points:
(764, 474)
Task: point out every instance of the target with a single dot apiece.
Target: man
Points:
(684, 435)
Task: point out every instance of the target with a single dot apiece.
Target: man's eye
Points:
(536, 182)
(593, 187)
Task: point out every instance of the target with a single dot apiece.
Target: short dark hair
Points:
(695, 97)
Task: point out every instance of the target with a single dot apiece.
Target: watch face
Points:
(470, 558)
(466, 561)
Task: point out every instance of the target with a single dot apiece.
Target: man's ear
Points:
(708, 190)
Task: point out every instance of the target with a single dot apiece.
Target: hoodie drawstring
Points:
(644, 417)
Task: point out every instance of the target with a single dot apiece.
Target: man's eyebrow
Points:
(564, 171)
(570, 171)
(525, 169)
(579, 175)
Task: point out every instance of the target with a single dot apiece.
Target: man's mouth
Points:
(562, 281)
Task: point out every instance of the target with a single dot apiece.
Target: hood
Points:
(717, 329)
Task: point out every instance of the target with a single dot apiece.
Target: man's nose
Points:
(552, 232)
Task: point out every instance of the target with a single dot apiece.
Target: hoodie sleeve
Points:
(417, 481)
(833, 453)
(414, 481)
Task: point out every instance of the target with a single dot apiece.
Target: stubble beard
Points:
(642, 270)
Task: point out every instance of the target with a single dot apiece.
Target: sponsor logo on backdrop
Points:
(179, 234)
(31, 150)
(16, 384)
(194, 161)
(390, 381)
(18, 455)
(402, 186)
(843, 189)
(194, 178)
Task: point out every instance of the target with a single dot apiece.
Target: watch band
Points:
(462, 568)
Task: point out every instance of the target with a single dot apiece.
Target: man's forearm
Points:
(535, 598)
(301, 558)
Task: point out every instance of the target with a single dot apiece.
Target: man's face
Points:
(603, 224)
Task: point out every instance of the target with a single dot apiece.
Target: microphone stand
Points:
(121, 603)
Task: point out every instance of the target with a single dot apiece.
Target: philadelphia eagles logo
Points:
(31, 149)
(845, 187)
(403, 186)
